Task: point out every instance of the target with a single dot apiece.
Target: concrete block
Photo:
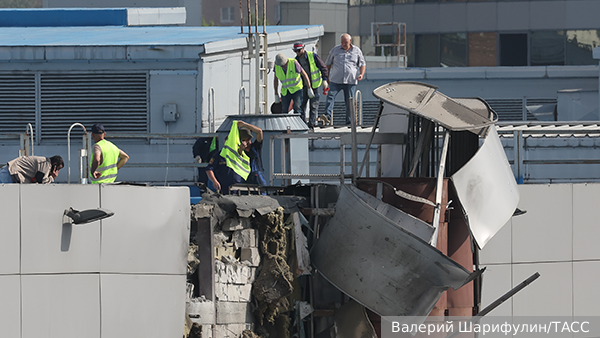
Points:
(233, 292)
(202, 211)
(226, 250)
(231, 330)
(251, 255)
(234, 273)
(201, 312)
(233, 313)
(235, 223)
(247, 238)
(245, 292)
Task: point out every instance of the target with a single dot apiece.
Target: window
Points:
(580, 44)
(227, 14)
(547, 48)
(277, 13)
(513, 49)
(453, 50)
(427, 50)
(482, 49)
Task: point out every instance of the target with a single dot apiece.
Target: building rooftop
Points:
(141, 36)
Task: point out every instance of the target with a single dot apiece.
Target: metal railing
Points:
(548, 131)
(345, 139)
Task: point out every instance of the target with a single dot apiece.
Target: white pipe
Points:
(69, 148)
(31, 137)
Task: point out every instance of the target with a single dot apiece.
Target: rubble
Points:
(251, 274)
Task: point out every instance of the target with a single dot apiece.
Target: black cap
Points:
(98, 129)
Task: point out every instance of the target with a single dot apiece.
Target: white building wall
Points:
(121, 276)
(557, 237)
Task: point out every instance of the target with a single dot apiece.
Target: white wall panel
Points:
(48, 245)
(497, 280)
(585, 284)
(9, 229)
(545, 232)
(499, 249)
(10, 306)
(149, 232)
(155, 305)
(61, 306)
(585, 221)
(549, 295)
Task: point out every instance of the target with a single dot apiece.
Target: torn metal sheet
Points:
(381, 265)
(424, 100)
(351, 321)
(487, 189)
(410, 223)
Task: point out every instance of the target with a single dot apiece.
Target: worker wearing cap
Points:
(317, 71)
(107, 159)
(292, 77)
(239, 161)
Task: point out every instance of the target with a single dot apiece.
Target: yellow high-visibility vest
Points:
(315, 73)
(108, 167)
(238, 163)
(290, 80)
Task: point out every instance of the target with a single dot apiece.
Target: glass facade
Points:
(453, 50)
(579, 46)
(486, 48)
(482, 49)
(547, 48)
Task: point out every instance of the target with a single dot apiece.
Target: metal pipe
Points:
(509, 294)
(354, 145)
(69, 148)
(359, 107)
(271, 159)
(211, 110)
(241, 18)
(249, 22)
(379, 111)
(265, 19)
(31, 137)
(438, 189)
(242, 103)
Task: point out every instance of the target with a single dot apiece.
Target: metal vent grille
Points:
(507, 109)
(117, 100)
(17, 102)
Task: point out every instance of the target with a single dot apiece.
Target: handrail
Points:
(344, 138)
(31, 137)
(69, 148)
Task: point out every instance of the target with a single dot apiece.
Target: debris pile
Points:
(244, 289)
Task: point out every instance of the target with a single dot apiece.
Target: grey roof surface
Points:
(550, 129)
(127, 36)
(268, 122)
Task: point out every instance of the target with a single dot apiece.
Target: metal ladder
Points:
(257, 49)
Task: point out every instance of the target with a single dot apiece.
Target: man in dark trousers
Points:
(317, 72)
(240, 161)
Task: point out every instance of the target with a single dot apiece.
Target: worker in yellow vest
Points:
(318, 73)
(240, 159)
(293, 78)
(107, 159)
